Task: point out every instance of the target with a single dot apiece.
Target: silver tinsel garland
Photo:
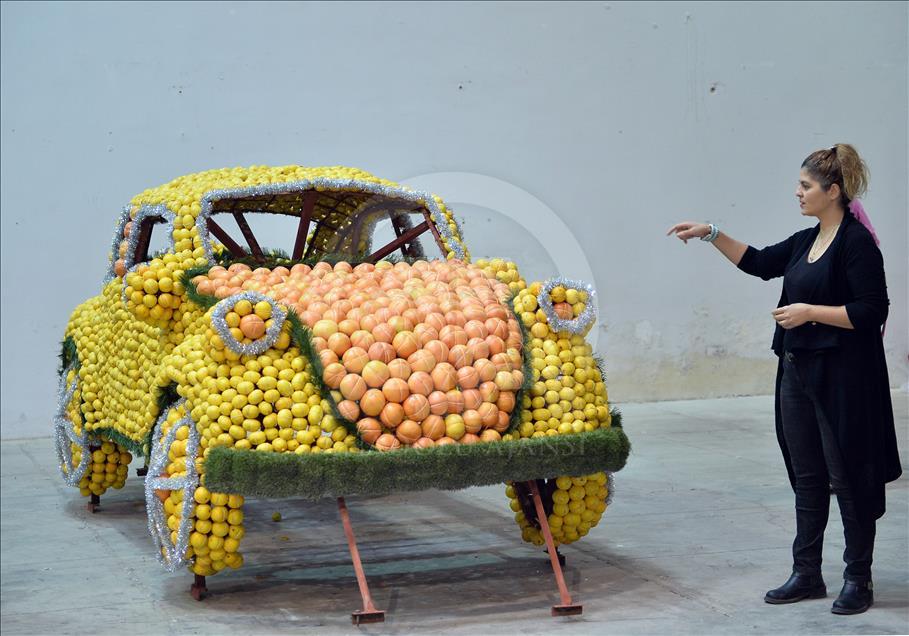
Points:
(122, 220)
(273, 189)
(576, 326)
(171, 555)
(65, 434)
(145, 212)
(257, 347)
(132, 243)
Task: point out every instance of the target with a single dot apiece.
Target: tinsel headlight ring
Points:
(65, 434)
(263, 344)
(576, 326)
(321, 184)
(171, 555)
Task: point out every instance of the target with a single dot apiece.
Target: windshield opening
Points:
(311, 225)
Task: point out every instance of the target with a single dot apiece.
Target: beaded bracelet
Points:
(714, 232)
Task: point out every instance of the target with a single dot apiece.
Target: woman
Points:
(834, 418)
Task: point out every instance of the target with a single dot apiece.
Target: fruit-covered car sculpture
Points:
(339, 367)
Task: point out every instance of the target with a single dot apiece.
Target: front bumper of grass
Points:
(452, 467)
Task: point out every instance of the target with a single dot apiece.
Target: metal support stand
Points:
(369, 614)
(93, 504)
(198, 589)
(566, 608)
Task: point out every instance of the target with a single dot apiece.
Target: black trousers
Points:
(817, 464)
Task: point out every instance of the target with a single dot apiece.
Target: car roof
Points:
(342, 191)
(194, 187)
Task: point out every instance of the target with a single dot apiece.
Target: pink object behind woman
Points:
(855, 206)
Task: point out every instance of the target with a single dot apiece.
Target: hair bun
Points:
(841, 165)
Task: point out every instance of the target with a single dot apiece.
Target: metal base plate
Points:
(360, 618)
(567, 610)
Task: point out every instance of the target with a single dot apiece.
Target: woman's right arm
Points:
(766, 263)
(731, 249)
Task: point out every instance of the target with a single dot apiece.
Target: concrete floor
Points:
(700, 528)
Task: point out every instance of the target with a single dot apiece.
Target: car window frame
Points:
(438, 224)
(145, 214)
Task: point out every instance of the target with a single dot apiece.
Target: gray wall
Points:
(618, 118)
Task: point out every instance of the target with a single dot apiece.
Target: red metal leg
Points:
(369, 614)
(198, 588)
(309, 204)
(407, 237)
(435, 231)
(567, 608)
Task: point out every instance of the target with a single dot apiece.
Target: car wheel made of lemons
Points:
(170, 484)
(72, 445)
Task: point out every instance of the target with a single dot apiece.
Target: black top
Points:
(811, 283)
(856, 275)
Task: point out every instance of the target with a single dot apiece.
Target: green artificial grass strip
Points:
(68, 355)
(301, 336)
(527, 369)
(601, 367)
(271, 258)
(205, 301)
(167, 396)
(134, 447)
(451, 467)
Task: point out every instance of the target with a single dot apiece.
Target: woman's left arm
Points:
(867, 284)
(797, 314)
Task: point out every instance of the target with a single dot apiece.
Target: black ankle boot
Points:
(797, 588)
(854, 598)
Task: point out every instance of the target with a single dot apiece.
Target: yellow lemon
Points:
(263, 310)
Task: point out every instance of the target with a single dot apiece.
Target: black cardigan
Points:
(852, 384)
